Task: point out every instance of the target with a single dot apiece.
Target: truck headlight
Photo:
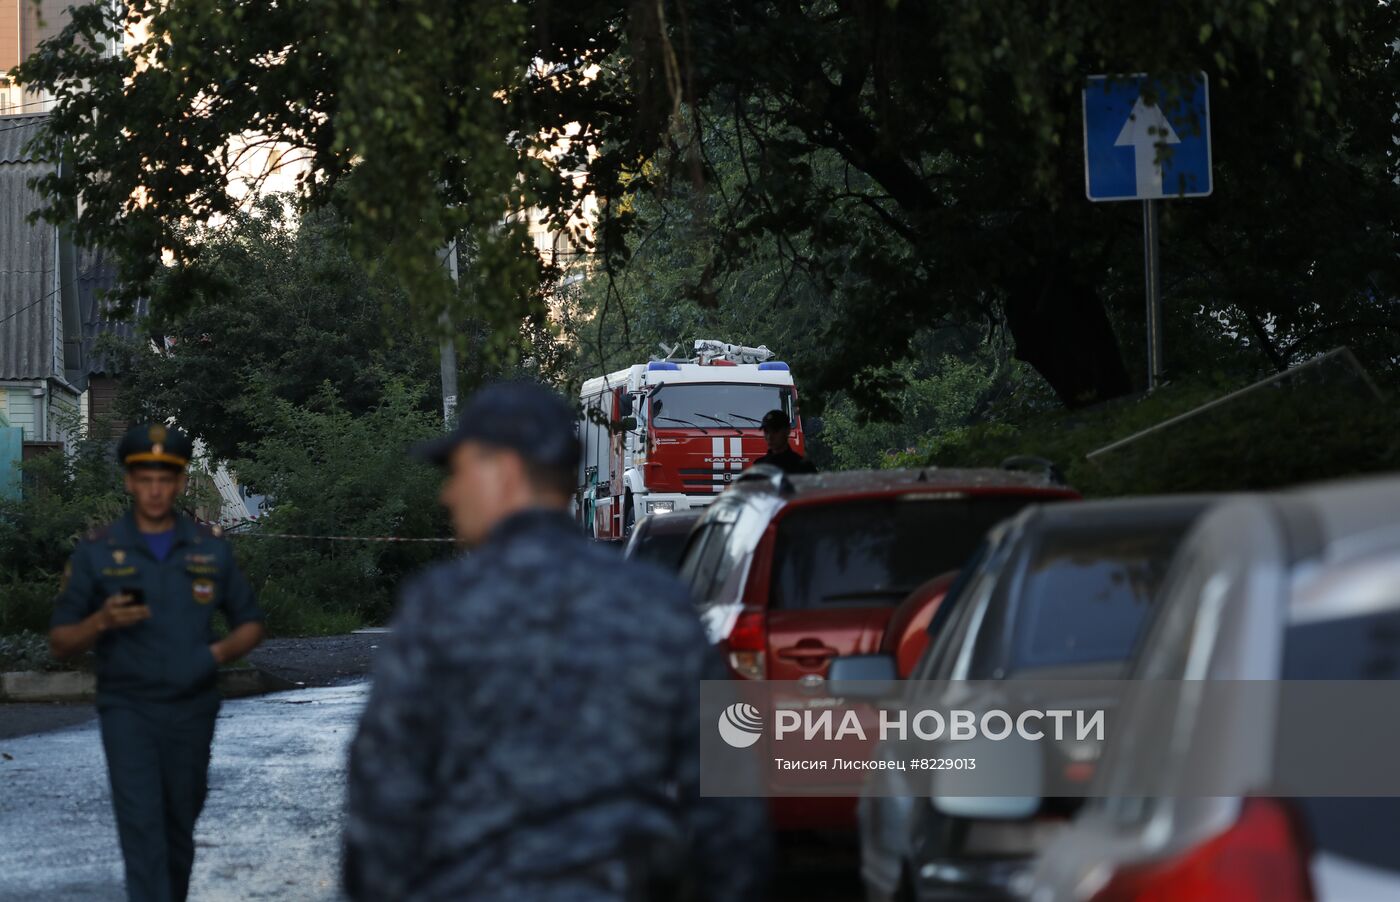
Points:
(660, 507)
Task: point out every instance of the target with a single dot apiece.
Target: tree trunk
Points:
(1059, 326)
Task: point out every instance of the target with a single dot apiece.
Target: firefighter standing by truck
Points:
(776, 430)
(142, 591)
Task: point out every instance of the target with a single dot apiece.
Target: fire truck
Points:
(670, 435)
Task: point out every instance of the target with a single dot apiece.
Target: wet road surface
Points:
(271, 826)
(270, 830)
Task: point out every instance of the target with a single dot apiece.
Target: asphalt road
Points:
(270, 829)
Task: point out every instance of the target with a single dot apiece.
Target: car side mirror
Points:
(1010, 770)
(626, 424)
(863, 677)
(626, 405)
(812, 426)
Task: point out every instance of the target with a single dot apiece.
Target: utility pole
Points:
(447, 345)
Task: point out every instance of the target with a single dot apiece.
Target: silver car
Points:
(1060, 591)
(1296, 586)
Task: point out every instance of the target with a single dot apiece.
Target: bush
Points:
(933, 403)
(27, 651)
(63, 496)
(329, 472)
(290, 613)
(1302, 429)
(25, 604)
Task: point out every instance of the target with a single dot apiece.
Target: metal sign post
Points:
(1153, 270)
(1136, 150)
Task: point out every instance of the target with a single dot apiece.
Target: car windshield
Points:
(877, 551)
(709, 405)
(661, 547)
(1087, 593)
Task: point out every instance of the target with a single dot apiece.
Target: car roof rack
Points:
(772, 476)
(1030, 462)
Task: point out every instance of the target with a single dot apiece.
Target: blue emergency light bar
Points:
(665, 365)
(774, 365)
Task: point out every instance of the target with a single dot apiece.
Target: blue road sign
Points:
(1139, 150)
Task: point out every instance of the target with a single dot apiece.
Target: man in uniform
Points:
(776, 430)
(142, 591)
(532, 732)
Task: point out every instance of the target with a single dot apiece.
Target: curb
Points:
(73, 686)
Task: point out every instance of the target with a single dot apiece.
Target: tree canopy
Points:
(907, 164)
(306, 315)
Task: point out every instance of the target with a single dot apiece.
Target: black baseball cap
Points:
(775, 419)
(526, 417)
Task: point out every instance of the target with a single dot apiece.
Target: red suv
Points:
(790, 572)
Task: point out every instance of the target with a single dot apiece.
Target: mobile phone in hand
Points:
(136, 593)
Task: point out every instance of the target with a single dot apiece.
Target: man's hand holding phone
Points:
(124, 609)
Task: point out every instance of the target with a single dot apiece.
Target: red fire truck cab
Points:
(670, 435)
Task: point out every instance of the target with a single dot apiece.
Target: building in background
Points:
(100, 414)
(24, 24)
(567, 247)
(261, 166)
(54, 382)
(43, 365)
(49, 288)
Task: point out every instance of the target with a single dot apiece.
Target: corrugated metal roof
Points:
(15, 132)
(29, 303)
(97, 275)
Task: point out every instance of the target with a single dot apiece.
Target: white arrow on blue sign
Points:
(1137, 150)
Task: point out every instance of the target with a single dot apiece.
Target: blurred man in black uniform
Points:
(143, 591)
(533, 732)
(776, 429)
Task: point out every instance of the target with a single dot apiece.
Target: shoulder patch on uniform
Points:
(212, 530)
(97, 533)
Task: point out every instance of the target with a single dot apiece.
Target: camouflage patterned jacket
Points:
(532, 734)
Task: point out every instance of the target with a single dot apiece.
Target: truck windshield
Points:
(709, 405)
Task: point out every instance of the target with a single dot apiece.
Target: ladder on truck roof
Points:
(708, 349)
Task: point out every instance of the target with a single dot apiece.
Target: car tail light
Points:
(1259, 859)
(1079, 771)
(747, 640)
(1082, 758)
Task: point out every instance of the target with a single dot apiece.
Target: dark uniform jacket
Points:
(532, 733)
(789, 461)
(167, 657)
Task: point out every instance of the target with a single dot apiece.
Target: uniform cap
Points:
(526, 417)
(154, 445)
(775, 419)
